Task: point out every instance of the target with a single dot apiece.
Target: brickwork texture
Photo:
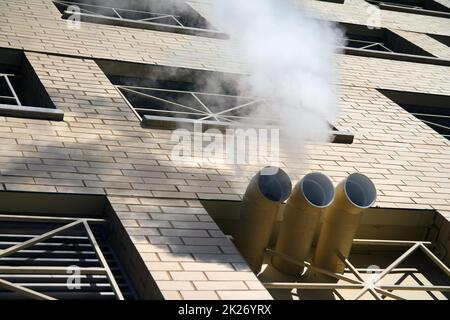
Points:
(101, 148)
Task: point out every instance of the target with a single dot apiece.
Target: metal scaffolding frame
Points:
(435, 9)
(378, 291)
(368, 45)
(68, 223)
(397, 4)
(118, 13)
(232, 115)
(11, 95)
(440, 128)
(202, 111)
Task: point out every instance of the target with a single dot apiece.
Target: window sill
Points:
(393, 7)
(171, 123)
(396, 56)
(86, 17)
(31, 112)
(334, 1)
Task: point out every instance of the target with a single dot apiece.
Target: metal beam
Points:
(374, 289)
(104, 263)
(42, 237)
(311, 286)
(436, 260)
(158, 17)
(25, 218)
(389, 242)
(24, 291)
(388, 294)
(325, 286)
(416, 288)
(128, 103)
(11, 88)
(115, 11)
(397, 262)
(389, 268)
(186, 91)
(164, 100)
(310, 266)
(356, 273)
(49, 270)
(398, 270)
(211, 114)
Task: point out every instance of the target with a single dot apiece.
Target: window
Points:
(57, 246)
(434, 110)
(74, 249)
(425, 7)
(161, 15)
(383, 43)
(442, 39)
(170, 98)
(408, 250)
(21, 92)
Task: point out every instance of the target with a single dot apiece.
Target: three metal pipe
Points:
(341, 220)
(313, 197)
(301, 217)
(262, 200)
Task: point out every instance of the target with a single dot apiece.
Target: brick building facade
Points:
(100, 148)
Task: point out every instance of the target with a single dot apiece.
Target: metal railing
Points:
(223, 110)
(65, 247)
(202, 106)
(361, 283)
(7, 93)
(367, 45)
(435, 121)
(397, 4)
(125, 14)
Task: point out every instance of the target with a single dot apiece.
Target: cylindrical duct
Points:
(301, 216)
(341, 220)
(262, 200)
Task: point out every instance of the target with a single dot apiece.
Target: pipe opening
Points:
(360, 190)
(274, 184)
(318, 189)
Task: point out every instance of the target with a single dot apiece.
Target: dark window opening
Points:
(68, 246)
(335, 1)
(442, 39)
(384, 40)
(168, 15)
(433, 110)
(383, 235)
(385, 44)
(65, 266)
(169, 98)
(425, 7)
(21, 92)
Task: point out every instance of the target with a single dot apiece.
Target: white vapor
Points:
(291, 58)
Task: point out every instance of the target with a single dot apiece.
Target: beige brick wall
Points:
(101, 147)
(186, 253)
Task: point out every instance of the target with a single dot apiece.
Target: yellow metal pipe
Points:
(341, 220)
(301, 216)
(267, 190)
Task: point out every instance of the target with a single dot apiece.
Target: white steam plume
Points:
(291, 57)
